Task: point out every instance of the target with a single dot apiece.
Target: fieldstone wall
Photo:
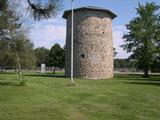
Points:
(93, 47)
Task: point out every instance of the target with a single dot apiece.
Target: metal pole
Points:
(72, 29)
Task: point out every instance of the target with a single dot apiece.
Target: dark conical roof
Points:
(113, 15)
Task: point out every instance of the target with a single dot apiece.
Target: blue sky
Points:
(45, 33)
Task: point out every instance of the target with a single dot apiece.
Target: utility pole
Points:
(72, 37)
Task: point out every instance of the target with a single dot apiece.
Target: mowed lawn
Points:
(47, 97)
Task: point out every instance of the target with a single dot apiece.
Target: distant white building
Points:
(43, 68)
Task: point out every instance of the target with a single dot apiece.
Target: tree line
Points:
(131, 65)
(54, 57)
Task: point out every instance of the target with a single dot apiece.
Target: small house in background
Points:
(93, 44)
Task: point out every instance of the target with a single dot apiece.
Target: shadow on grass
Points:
(136, 77)
(46, 75)
(144, 83)
(7, 83)
(7, 72)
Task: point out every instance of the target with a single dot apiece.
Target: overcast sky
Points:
(46, 33)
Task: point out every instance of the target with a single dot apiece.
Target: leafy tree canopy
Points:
(141, 40)
(57, 56)
(42, 55)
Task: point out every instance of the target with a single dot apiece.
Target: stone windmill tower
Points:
(93, 46)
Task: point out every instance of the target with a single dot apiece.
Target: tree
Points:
(115, 52)
(38, 9)
(14, 45)
(156, 65)
(22, 51)
(43, 9)
(3, 5)
(142, 36)
(42, 56)
(3, 50)
(4, 34)
(124, 63)
(16, 50)
(56, 57)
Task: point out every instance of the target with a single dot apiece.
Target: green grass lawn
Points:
(47, 97)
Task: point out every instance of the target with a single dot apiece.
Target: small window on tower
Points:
(102, 58)
(82, 55)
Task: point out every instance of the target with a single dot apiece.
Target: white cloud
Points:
(118, 32)
(48, 32)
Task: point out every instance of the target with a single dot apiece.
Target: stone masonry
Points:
(93, 46)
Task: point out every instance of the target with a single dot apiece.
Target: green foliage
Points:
(37, 9)
(3, 53)
(57, 56)
(24, 48)
(41, 9)
(3, 5)
(143, 35)
(42, 56)
(124, 63)
(115, 53)
(15, 48)
(156, 65)
(5, 57)
(54, 57)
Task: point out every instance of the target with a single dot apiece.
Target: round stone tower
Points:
(93, 47)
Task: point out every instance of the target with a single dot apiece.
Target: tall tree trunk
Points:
(1, 66)
(34, 60)
(19, 68)
(54, 70)
(146, 75)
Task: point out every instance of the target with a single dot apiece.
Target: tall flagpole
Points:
(72, 37)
